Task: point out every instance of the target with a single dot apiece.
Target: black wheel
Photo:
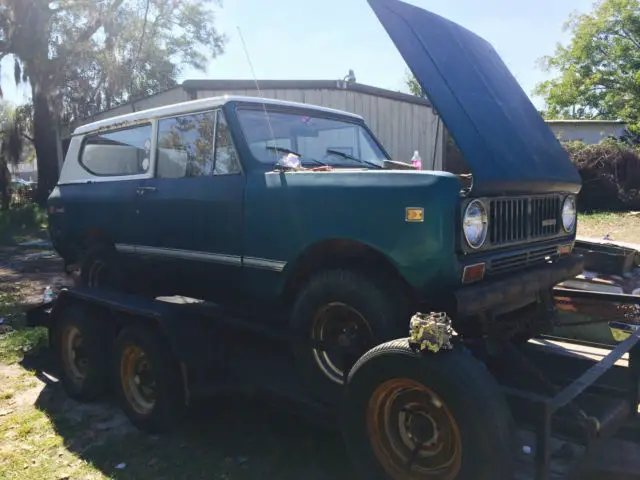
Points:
(343, 308)
(149, 383)
(82, 341)
(434, 416)
(101, 267)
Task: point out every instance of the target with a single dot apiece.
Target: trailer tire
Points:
(81, 339)
(376, 313)
(466, 414)
(148, 380)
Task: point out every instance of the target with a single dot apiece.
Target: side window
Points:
(122, 152)
(185, 146)
(226, 155)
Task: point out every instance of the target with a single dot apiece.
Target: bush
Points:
(610, 174)
(23, 218)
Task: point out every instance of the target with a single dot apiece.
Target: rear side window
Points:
(118, 153)
(185, 146)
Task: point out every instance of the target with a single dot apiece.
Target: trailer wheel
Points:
(149, 382)
(434, 416)
(343, 308)
(81, 338)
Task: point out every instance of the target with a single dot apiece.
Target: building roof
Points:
(192, 106)
(587, 122)
(198, 85)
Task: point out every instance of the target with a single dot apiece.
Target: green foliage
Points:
(598, 72)
(24, 221)
(413, 85)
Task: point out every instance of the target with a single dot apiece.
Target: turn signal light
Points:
(564, 250)
(473, 273)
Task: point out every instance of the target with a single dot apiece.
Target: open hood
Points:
(506, 143)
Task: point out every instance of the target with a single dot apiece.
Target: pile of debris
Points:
(610, 174)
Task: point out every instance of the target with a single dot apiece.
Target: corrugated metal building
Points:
(403, 123)
(588, 131)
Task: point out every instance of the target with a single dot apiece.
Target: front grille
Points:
(517, 219)
(522, 260)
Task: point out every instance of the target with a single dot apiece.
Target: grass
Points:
(620, 226)
(15, 338)
(22, 223)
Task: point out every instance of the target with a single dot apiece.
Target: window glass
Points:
(185, 146)
(123, 152)
(332, 141)
(226, 154)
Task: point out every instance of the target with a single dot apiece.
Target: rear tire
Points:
(101, 267)
(445, 409)
(148, 380)
(337, 300)
(83, 343)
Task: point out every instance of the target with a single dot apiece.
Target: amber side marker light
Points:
(473, 273)
(414, 214)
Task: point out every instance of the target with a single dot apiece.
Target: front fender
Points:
(288, 213)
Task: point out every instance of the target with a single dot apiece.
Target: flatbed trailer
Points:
(565, 403)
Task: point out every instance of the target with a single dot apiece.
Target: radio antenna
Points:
(255, 79)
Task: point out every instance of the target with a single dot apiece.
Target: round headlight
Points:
(474, 224)
(569, 214)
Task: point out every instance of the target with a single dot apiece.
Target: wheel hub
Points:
(137, 380)
(419, 430)
(74, 354)
(342, 326)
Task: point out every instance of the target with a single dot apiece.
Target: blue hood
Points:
(504, 140)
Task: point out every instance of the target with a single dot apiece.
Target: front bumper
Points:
(491, 294)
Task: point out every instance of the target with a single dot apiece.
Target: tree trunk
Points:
(45, 144)
(5, 180)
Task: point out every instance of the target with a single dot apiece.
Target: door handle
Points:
(143, 190)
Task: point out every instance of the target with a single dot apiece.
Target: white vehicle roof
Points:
(194, 105)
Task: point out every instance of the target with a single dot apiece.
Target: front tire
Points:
(411, 416)
(343, 308)
(149, 383)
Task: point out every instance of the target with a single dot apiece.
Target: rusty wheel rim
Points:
(342, 325)
(413, 433)
(138, 384)
(74, 354)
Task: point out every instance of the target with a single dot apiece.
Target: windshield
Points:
(338, 143)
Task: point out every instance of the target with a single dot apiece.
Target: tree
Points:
(11, 147)
(414, 86)
(598, 72)
(80, 56)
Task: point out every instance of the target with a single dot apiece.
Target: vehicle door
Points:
(191, 211)
(115, 162)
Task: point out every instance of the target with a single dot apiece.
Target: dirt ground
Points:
(620, 227)
(45, 435)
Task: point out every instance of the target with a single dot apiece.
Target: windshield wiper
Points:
(303, 158)
(351, 157)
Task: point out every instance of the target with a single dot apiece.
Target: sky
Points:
(323, 39)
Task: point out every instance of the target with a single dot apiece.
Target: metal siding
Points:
(175, 95)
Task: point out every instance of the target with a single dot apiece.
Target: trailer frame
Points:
(190, 327)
